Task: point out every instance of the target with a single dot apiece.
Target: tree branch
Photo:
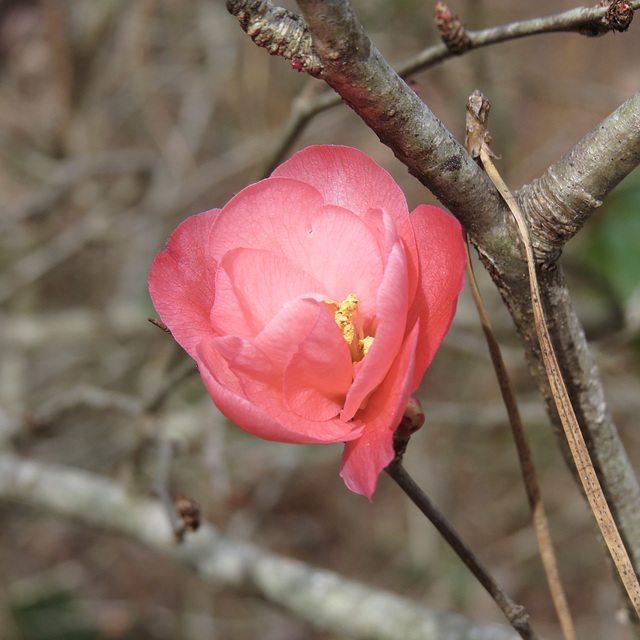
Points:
(559, 202)
(584, 20)
(259, 18)
(354, 68)
(322, 598)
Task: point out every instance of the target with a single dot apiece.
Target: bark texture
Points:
(557, 205)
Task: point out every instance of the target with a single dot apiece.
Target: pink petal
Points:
(389, 334)
(338, 249)
(363, 459)
(281, 338)
(242, 412)
(181, 282)
(260, 380)
(248, 219)
(443, 260)
(347, 178)
(286, 217)
(320, 373)
(252, 286)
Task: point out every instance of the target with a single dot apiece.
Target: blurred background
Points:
(120, 119)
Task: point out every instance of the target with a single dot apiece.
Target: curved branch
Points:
(559, 202)
(323, 598)
(280, 31)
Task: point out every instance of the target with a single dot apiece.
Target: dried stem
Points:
(527, 467)
(575, 439)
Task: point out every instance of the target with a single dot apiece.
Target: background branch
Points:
(323, 598)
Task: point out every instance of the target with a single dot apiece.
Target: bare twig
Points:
(306, 105)
(323, 598)
(585, 20)
(515, 613)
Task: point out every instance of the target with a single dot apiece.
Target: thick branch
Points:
(356, 70)
(559, 202)
(582, 380)
(323, 598)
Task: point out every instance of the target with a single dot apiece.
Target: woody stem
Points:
(515, 613)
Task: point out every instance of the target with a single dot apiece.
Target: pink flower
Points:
(313, 303)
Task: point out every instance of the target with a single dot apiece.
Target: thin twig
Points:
(515, 613)
(584, 20)
(580, 20)
(527, 467)
(306, 105)
(572, 431)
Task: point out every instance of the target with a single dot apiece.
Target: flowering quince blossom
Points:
(313, 303)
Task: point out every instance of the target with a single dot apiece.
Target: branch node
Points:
(451, 30)
(280, 31)
(617, 18)
(188, 510)
(620, 14)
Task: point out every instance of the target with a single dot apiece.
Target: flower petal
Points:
(248, 219)
(338, 249)
(261, 382)
(389, 334)
(443, 260)
(363, 459)
(181, 282)
(318, 377)
(237, 408)
(252, 286)
(347, 178)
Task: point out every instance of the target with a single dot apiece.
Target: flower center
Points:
(347, 317)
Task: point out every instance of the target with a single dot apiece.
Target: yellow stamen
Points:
(348, 319)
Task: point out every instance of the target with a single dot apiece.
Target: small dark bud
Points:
(188, 510)
(412, 420)
(620, 15)
(451, 29)
(413, 417)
